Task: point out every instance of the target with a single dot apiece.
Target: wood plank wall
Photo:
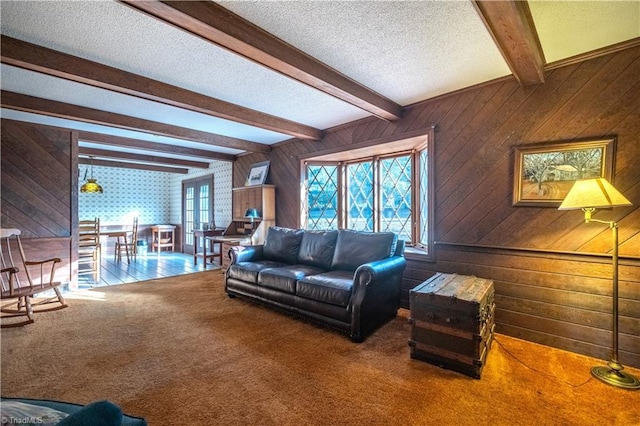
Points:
(550, 289)
(38, 166)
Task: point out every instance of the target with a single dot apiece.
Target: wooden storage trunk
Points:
(452, 322)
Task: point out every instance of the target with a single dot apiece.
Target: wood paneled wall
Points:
(38, 178)
(550, 270)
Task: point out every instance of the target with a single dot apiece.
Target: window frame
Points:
(414, 248)
(304, 205)
(377, 180)
(429, 148)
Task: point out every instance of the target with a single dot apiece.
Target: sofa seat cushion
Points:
(332, 287)
(285, 278)
(248, 271)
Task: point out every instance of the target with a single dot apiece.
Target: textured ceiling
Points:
(569, 28)
(407, 51)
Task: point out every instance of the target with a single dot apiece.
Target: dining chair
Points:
(129, 245)
(24, 279)
(89, 248)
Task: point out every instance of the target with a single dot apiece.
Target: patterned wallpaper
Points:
(154, 197)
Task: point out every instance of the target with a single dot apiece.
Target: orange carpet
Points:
(177, 351)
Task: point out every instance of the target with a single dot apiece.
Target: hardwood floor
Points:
(145, 267)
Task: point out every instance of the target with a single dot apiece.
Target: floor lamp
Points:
(588, 195)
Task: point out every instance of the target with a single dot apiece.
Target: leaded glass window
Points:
(395, 196)
(360, 196)
(322, 197)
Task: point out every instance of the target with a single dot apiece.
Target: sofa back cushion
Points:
(282, 244)
(317, 247)
(354, 248)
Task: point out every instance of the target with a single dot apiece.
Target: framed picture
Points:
(257, 174)
(544, 173)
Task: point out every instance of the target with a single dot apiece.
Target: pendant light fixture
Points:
(91, 185)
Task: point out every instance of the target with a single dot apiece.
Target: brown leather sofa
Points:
(347, 279)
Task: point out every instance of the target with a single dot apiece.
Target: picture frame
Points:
(257, 174)
(544, 173)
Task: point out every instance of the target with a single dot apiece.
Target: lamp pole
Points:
(613, 373)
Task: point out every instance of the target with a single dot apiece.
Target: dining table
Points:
(117, 234)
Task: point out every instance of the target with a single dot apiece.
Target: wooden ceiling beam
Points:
(512, 28)
(106, 153)
(123, 165)
(32, 104)
(41, 59)
(119, 141)
(224, 28)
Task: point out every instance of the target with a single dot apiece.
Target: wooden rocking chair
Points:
(19, 281)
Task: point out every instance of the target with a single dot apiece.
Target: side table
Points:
(162, 236)
(208, 236)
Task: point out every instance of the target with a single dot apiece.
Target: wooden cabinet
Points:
(259, 197)
(226, 246)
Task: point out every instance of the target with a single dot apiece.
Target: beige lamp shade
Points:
(593, 193)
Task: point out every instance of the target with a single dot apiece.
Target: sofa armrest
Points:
(245, 253)
(378, 271)
(375, 294)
